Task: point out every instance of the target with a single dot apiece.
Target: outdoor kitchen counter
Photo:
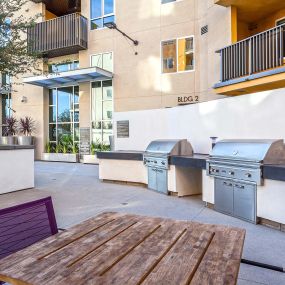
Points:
(16, 168)
(195, 161)
(184, 173)
(274, 172)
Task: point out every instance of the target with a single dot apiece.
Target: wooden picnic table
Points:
(115, 248)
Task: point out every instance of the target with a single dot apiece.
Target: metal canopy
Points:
(69, 77)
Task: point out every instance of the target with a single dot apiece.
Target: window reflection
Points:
(103, 60)
(102, 12)
(64, 113)
(102, 111)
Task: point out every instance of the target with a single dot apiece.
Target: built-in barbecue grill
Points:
(236, 166)
(156, 158)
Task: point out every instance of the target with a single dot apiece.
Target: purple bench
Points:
(26, 224)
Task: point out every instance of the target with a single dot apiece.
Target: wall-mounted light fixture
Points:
(24, 99)
(113, 26)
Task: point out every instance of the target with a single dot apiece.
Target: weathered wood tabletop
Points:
(115, 248)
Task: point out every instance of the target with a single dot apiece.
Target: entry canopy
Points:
(69, 77)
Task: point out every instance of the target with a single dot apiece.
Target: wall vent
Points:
(204, 30)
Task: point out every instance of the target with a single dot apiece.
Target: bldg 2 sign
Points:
(187, 100)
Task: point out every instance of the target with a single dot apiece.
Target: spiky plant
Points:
(27, 126)
(10, 126)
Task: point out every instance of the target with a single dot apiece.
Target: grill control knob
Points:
(248, 175)
(231, 173)
(163, 163)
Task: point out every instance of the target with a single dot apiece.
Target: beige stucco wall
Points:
(138, 82)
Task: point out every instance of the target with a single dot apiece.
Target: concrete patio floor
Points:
(78, 194)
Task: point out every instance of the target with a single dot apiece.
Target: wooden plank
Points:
(35, 252)
(184, 257)
(127, 249)
(221, 262)
(58, 261)
(142, 259)
(44, 247)
(113, 252)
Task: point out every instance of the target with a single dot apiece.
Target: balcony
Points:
(62, 7)
(253, 64)
(59, 36)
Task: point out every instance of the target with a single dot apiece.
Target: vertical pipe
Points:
(250, 55)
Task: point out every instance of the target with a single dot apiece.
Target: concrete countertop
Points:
(121, 155)
(15, 147)
(273, 172)
(196, 161)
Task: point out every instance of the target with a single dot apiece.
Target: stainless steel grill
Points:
(236, 166)
(156, 158)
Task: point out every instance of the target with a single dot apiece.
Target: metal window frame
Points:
(91, 109)
(56, 123)
(103, 15)
(177, 43)
(101, 54)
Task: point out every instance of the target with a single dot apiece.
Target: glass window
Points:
(167, 1)
(6, 101)
(102, 12)
(64, 113)
(169, 56)
(178, 55)
(102, 111)
(5, 33)
(185, 54)
(64, 104)
(61, 67)
(103, 60)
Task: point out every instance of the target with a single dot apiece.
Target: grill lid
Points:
(170, 147)
(268, 151)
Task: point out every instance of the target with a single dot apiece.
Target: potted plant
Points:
(94, 148)
(64, 151)
(10, 131)
(26, 128)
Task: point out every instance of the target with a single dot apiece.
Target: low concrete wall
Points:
(16, 170)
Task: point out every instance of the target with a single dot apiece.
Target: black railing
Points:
(62, 35)
(261, 52)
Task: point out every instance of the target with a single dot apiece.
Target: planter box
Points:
(10, 140)
(25, 140)
(60, 157)
(90, 159)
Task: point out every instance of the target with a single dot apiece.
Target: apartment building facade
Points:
(176, 53)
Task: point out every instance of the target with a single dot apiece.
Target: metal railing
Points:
(258, 53)
(59, 33)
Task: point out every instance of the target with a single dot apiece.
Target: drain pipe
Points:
(263, 265)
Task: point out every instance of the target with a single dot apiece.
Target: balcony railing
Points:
(256, 54)
(59, 36)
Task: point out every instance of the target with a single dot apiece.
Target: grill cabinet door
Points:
(224, 197)
(245, 201)
(162, 181)
(152, 179)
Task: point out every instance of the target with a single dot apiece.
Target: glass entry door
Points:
(64, 113)
(102, 111)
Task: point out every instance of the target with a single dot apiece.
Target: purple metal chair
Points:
(26, 224)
